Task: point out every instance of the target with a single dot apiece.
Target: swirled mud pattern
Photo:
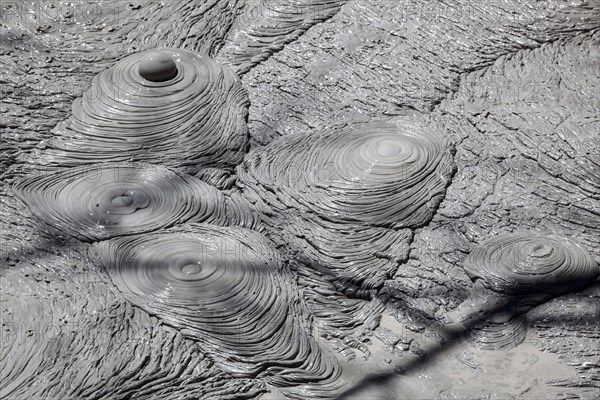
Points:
(196, 118)
(357, 260)
(335, 313)
(490, 320)
(502, 335)
(412, 48)
(265, 26)
(388, 173)
(228, 289)
(97, 202)
(524, 263)
(513, 273)
(67, 333)
(346, 192)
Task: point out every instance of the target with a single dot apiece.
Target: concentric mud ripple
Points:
(490, 320)
(524, 263)
(340, 198)
(227, 289)
(168, 106)
(98, 202)
(513, 273)
(67, 333)
(502, 335)
(389, 173)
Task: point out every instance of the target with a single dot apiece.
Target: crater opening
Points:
(157, 67)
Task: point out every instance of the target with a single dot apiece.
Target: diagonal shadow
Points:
(453, 336)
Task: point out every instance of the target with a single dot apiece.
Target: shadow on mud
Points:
(453, 336)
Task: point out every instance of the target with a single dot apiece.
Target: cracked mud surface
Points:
(511, 86)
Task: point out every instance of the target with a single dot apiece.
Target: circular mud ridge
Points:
(524, 263)
(227, 289)
(389, 172)
(499, 335)
(101, 201)
(167, 106)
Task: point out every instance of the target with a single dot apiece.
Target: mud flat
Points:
(300, 199)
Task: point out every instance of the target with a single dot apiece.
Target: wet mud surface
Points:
(352, 199)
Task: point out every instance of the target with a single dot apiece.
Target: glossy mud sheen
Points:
(228, 289)
(410, 191)
(342, 196)
(515, 272)
(192, 113)
(99, 202)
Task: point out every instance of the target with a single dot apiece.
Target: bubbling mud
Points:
(514, 272)
(167, 106)
(389, 173)
(346, 198)
(99, 202)
(91, 327)
(524, 263)
(228, 289)
(157, 67)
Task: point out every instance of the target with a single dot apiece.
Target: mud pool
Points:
(268, 199)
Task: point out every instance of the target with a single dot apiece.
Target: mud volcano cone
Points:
(99, 202)
(514, 272)
(168, 106)
(228, 289)
(350, 194)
